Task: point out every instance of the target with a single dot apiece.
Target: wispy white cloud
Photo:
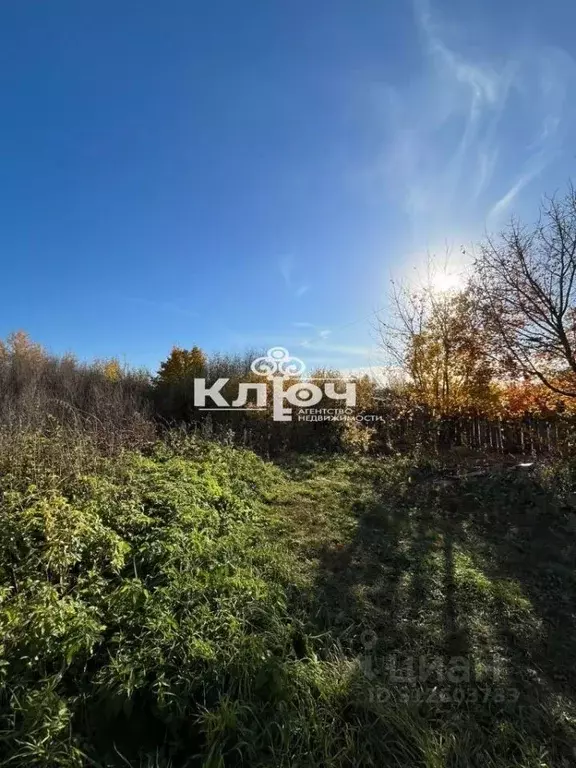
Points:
(468, 136)
(483, 81)
(506, 200)
(315, 349)
(287, 269)
(315, 330)
(342, 349)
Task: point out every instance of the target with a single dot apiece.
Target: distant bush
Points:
(39, 390)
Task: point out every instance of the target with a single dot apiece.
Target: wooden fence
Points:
(520, 436)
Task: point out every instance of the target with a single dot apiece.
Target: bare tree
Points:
(525, 280)
(435, 337)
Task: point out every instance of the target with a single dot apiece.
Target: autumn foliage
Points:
(181, 364)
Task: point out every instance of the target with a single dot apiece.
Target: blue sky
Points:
(251, 174)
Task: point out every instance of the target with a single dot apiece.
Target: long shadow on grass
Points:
(459, 602)
(525, 543)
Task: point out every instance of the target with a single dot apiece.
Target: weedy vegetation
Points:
(190, 604)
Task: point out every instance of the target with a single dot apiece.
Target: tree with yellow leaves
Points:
(182, 364)
(174, 389)
(437, 338)
(19, 345)
(112, 370)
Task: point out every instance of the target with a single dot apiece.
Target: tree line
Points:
(499, 347)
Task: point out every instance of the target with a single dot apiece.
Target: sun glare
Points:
(444, 282)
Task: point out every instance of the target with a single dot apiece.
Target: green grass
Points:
(197, 606)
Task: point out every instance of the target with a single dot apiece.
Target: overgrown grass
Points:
(192, 605)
